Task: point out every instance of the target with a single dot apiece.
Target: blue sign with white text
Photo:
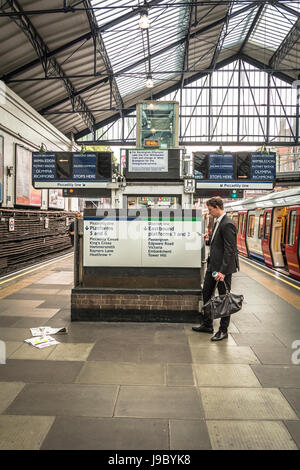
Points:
(221, 166)
(263, 167)
(43, 166)
(84, 166)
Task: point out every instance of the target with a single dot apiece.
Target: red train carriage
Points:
(268, 229)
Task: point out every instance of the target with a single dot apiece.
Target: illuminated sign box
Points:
(71, 169)
(235, 171)
(150, 164)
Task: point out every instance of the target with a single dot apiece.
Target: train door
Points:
(276, 238)
(292, 241)
(241, 235)
(267, 237)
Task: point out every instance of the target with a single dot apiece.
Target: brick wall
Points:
(134, 307)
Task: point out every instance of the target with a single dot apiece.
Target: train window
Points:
(260, 226)
(235, 219)
(251, 224)
(292, 228)
(267, 226)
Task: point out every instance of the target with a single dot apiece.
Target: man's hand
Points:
(220, 277)
(206, 237)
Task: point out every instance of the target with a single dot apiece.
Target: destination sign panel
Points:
(221, 166)
(71, 169)
(263, 167)
(243, 170)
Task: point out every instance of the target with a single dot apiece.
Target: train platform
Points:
(139, 386)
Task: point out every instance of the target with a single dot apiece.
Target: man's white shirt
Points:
(217, 225)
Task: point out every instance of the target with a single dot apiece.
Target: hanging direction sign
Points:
(71, 169)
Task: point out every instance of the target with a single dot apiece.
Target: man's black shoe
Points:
(219, 336)
(203, 329)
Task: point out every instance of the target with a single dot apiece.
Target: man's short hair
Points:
(215, 202)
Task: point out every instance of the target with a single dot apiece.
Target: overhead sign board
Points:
(150, 161)
(242, 170)
(71, 169)
(221, 166)
(151, 164)
(263, 167)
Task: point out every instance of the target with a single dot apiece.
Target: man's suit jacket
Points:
(223, 255)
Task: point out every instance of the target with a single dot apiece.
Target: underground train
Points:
(268, 229)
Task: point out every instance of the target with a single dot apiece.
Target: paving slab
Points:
(293, 397)
(122, 373)
(249, 435)
(70, 351)
(32, 313)
(80, 433)
(65, 400)
(280, 376)
(273, 354)
(225, 375)
(294, 429)
(114, 351)
(11, 347)
(180, 374)
(30, 322)
(27, 351)
(16, 306)
(166, 353)
(57, 278)
(189, 435)
(7, 321)
(203, 340)
(14, 334)
(159, 402)
(256, 339)
(23, 432)
(34, 371)
(8, 392)
(217, 354)
(245, 404)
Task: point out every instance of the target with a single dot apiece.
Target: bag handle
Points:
(216, 285)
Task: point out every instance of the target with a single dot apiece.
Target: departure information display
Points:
(243, 170)
(221, 166)
(71, 169)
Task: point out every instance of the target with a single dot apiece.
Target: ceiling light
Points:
(149, 82)
(144, 22)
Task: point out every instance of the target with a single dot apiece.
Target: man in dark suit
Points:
(223, 259)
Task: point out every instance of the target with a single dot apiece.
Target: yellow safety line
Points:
(270, 274)
(31, 270)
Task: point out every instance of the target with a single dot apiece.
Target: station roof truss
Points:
(84, 64)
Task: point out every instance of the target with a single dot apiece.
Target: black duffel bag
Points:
(222, 305)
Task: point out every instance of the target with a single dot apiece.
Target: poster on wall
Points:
(26, 194)
(1, 166)
(56, 199)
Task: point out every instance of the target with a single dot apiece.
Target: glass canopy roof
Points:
(127, 45)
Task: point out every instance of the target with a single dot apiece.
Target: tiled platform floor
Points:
(148, 385)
